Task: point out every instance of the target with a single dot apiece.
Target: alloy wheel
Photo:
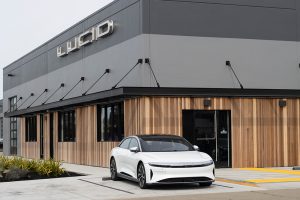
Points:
(113, 169)
(142, 176)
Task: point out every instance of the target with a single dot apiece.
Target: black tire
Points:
(205, 184)
(113, 170)
(141, 176)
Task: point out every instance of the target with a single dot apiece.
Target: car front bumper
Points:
(161, 175)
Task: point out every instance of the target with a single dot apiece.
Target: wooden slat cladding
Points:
(86, 150)
(29, 149)
(263, 134)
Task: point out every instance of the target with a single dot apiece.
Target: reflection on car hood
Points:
(175, 158)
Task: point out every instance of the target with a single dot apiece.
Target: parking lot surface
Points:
(96, 185)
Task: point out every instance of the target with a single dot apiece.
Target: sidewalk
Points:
(260, 175)
(87, 170)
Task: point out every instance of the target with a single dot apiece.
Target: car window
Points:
(165, 144)
(133, 143)
(125, 143)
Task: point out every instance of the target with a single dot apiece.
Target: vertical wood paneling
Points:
(86, 150)
(263, 134)
(29, 149)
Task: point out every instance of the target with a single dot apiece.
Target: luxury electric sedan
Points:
(161, 159)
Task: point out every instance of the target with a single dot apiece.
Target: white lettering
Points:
(72, 45)
(105, 29)
(100, 31)
(61, 52)
(86, 37)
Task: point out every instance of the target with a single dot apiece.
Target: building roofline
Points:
(61, 33)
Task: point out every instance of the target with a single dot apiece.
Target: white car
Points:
(161, 159)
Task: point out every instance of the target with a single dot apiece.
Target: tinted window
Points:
(110, 122)
(67, 126)
(133, 143)
(165, 144)
(125, 144)
(31, 128)
(13, 126)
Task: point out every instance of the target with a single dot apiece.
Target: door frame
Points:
(191, 138)
(51, 136)
(42, 151)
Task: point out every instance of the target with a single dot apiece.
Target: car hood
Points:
(184, 157)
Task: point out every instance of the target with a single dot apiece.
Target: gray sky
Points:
(26, 24)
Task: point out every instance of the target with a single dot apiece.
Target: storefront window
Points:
(67, 126)
(13, 126)
(110, 122)
(31, 132)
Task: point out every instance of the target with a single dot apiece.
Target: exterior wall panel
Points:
(85, 151)
(126, 15)
(228, 19)
(260, 137)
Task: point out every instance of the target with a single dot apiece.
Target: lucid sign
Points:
(95, 33)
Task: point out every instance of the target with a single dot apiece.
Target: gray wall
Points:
(246, 19)
(1, 119)
(44, 60)
(188, 43)
(270, 20)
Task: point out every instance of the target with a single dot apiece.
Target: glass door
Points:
(210, 130)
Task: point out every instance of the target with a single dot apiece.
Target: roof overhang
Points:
(130, 92)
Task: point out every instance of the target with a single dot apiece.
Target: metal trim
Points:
(131, 92)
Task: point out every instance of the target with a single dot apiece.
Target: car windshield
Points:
(164, 144)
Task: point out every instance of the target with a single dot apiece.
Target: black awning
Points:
(129, 92)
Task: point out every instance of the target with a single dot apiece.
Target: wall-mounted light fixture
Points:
(207, 103)
(282, 103)
(10, 75)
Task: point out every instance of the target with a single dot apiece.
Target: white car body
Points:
(164, 167)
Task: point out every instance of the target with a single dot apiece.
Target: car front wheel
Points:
(141, 175)
(113, 170)
(205, 184)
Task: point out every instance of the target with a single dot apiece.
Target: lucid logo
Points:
(95, 33)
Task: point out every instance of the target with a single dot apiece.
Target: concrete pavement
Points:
(291, 194)
(230, 184)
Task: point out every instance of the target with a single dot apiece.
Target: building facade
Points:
(1, 125)
(224, 75)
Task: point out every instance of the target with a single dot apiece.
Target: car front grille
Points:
(178, 165)
(186, 180)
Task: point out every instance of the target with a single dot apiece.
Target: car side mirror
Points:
(196, 148)
(134, 149)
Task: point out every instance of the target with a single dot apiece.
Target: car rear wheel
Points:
(113, 170)
(141, 175)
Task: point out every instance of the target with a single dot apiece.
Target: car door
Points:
(132, 158)
(121, 155)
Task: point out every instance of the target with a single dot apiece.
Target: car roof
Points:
(158, 135)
